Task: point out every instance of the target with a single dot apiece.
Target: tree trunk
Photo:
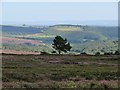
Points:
(59, 52)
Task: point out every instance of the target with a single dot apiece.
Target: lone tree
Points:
(61, 44)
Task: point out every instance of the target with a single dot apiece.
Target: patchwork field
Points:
(20, 41)
(88, 39)
(60, 71)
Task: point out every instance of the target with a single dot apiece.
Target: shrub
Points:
(108, 53)
(97, 53)
(92, 85)
(44, 53)
(83, 53)
(71, 84)
(117, 53)
(89, 77)
(99, 78)
(54, 52)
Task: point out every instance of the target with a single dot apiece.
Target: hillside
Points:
(80, 33)
(90, 38)
(19, 30)
(86, 32)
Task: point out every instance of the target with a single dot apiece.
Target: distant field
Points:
(60, 71)
(39, 36)
(20, 41)
(31, 45)
(19, 52)
(89, 39)
(66, 28)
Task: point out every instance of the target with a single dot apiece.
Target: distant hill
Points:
(19, 30)
(101, 37)
(77, 33)
(84, 32)
(87, 32)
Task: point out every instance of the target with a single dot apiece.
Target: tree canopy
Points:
(61, 44)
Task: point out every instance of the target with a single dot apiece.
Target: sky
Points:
(45, 13)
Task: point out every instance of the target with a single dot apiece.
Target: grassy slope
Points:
(74, 33)
(96, 46)
(52, 71)
(31, 48)
(90, 32)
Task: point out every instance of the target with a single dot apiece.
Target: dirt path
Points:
(18, 52)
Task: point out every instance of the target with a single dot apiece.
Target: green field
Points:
(89, 39)
(60, 71)
(88, 47)
(71, 70)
